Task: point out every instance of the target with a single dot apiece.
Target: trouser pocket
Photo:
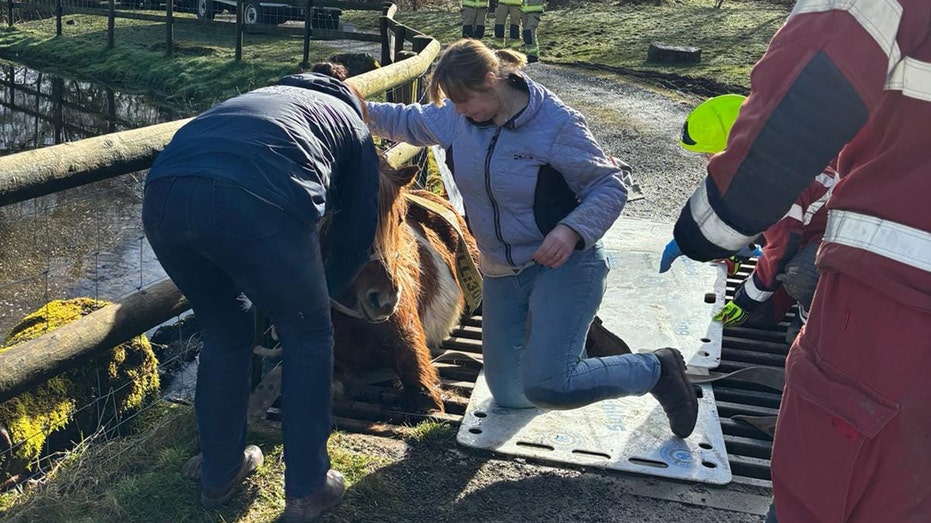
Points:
(826, 421)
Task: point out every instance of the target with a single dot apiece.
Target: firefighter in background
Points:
(474, 13)
(531, 12)
(850, 80)
(507, 11)
(785, 271)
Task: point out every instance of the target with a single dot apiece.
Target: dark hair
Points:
(464, 66)
(331, 69)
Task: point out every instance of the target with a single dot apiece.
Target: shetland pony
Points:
(407, 298)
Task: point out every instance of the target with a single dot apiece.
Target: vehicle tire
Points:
(251, 13)
(204, 9)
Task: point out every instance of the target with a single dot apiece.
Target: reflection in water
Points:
(85, 241)
(39, 109)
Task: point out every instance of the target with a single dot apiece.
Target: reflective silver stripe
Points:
(889, 239)
(754, 292)
(879, 18)
(803, 313)
(712, 227)
(795, 212)
(827, 181)
(912, 77)
(815, 207)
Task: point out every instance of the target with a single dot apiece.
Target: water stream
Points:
(85, 241)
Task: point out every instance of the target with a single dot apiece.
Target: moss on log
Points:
(31, 362)
(119, 380)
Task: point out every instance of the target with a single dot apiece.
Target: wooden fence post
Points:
(239, 30)
(385, 33)
(400, 34)
(308, 22)
(419, 43)
(111, 24)
(9, 19)
(58, 13)
(169, 28)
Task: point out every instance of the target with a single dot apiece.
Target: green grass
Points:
(617, 35)
(202, 71)
(604, 35)
(138, 479)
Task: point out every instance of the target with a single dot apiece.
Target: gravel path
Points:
(638, 124)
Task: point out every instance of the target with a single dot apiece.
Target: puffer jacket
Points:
(509, 176)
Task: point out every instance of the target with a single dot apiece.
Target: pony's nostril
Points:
(374, 300)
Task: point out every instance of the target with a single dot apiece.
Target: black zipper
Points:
(491, 197)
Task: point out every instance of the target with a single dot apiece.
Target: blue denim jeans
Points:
(216, 241)
(534, 326)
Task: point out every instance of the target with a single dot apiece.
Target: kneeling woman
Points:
(539, 194)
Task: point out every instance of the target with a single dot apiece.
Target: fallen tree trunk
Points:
(34, 361)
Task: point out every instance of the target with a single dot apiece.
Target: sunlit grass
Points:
(201, 72)
(138, 479)
(609, 34)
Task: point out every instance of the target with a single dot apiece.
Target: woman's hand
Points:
(557, 247)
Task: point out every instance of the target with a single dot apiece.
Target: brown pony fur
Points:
(398, 295)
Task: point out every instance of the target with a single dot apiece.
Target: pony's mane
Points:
(395, 249)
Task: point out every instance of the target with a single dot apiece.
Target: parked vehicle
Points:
(274, 13)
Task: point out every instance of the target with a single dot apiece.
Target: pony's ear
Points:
(400, 176)
(405, 175)
(383, 165)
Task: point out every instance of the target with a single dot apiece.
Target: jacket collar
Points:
(323, 84)
(536, 94)
(522, 82)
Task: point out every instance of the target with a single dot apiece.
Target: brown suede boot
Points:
(602, 342)
(211, 498)
(309, 508)
(674, 392)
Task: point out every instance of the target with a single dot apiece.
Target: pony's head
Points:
(375, 293)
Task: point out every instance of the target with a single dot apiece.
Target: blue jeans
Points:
(216, 240)
(534, 326)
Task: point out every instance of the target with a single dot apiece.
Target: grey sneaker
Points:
(309, 508)
(211, 498)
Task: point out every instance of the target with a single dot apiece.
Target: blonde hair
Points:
(464, 66)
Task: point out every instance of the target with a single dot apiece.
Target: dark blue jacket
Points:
(301, 145)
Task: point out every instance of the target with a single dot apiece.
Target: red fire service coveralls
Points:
(853, 442)
(803, 225)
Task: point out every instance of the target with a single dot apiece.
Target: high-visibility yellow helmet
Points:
(707, 126)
